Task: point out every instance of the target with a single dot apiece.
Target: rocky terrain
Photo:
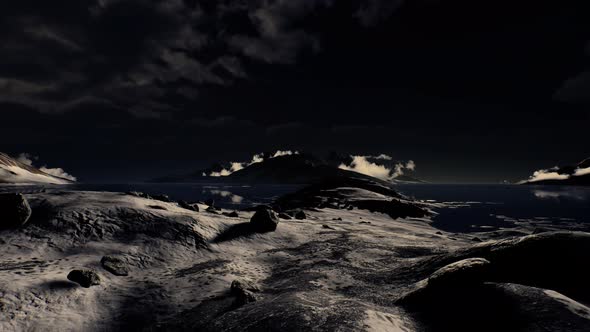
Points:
(349, 255)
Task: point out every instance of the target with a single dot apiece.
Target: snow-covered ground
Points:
(337, 269)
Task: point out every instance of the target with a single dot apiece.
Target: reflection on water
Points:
(488, 207)
(235, 199)
(572, 193)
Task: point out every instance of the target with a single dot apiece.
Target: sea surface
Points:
(468, 208)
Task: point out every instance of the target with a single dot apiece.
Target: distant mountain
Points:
(288, 169)
(570, 175)
(16, 172)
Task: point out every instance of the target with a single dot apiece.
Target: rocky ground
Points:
(335, 258)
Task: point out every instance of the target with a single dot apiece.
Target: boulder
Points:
(115, 265)
(84, 278)
(300, 215)
(14, 211)
(454, 278)
(264, 220)
(187, 206)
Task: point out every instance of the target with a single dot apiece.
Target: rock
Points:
(138, 194)
(240, 285)
(212, 209)
(232, 214)
(327, 227)
(115, 265)
(264, 220)
(300, 215)
(187, 206)
(243, 290)
(453, 278)
(438, 233)
(244, 298)
(337, 219)
(14, 211)
(84, 278)
(283, 215)
(162, 198)
(476, 239)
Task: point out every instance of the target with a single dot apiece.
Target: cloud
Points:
(29, 159)
(257, 158)
(582, 171)
(58, 172)
(364, 165)
(547, 174)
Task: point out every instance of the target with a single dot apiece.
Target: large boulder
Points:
(115, 265)
(264, 220)
(14, 211)
(84, 278)
(452, 279)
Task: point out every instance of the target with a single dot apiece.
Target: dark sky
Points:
(472, 91)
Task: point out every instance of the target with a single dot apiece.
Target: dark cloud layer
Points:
(451, 83)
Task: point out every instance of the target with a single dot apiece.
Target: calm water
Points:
(474, 207)
(484, 207)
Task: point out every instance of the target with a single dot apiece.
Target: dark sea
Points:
(468, 208)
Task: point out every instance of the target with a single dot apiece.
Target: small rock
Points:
(238, 286)
(14, 211)
(300, 215)
(84, 278)
(233, 214)
(327, 227)
(265, 220)
(438, 233)
(115, 265)
(338, 219)
(212, 209)
(243, 290)
(187, 206)
(138, 194)
(162, 198)
(244, 298)
(476, 239)
(283, 215)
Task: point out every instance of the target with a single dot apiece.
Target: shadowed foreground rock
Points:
(84, 278)
(115, 265)
(264, 220)
(14, 211)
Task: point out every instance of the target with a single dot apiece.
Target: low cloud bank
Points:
(28, 159)
(553, 174)
(374, 166)
(257, 158)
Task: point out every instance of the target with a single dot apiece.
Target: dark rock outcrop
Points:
(85, 278)
(14, 211)
(240, 285)
(187, 206)
(300, 215)
(264, 220)
(115, 265)
(233, 214)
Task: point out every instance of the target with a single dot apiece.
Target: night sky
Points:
(472, 91)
